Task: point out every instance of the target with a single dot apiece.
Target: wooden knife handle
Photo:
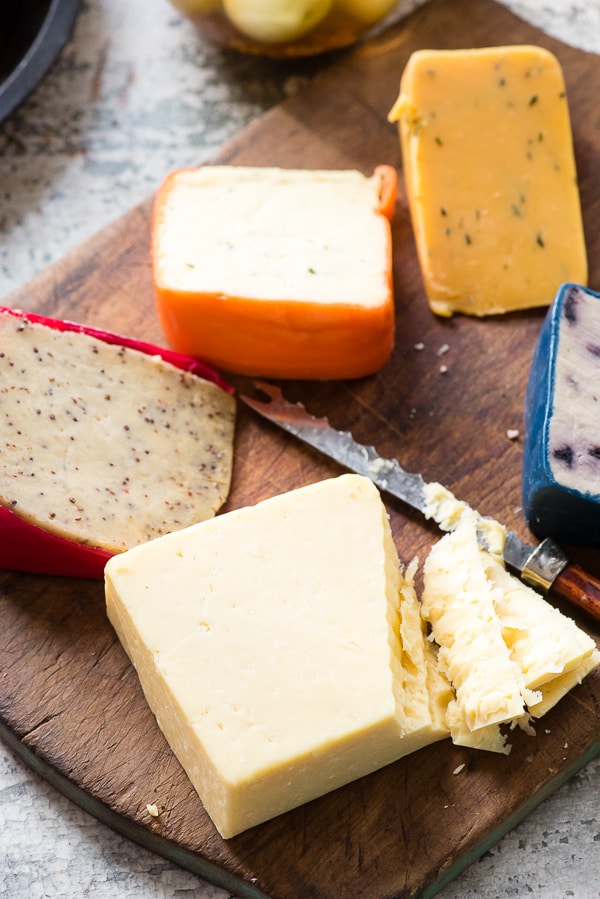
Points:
(579, 588)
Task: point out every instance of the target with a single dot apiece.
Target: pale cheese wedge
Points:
(545, 643)
(490, 175)
(498, 637)
(279, 647)
(103, 444)
(458, 603)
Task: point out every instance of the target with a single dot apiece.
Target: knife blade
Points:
(545, 566)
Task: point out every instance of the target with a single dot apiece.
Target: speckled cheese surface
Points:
(303, 592)
(274, 234)
(87, 427)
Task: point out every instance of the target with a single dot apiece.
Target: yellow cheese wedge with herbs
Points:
(490, 175)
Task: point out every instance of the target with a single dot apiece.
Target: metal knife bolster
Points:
(538, 566)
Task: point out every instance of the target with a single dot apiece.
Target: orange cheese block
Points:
(490, 173)
(277, 272)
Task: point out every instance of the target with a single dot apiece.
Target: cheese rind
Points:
(561, 455)
(267, 642)
(276, 272)
(491, 179)
(105, 445)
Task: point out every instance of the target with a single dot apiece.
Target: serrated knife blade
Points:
(544, 566)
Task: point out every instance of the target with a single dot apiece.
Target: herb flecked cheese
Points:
(103, 444)
(491, 180)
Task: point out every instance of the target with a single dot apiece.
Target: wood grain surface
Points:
(70, 703)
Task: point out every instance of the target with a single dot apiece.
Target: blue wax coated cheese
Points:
(561, 461)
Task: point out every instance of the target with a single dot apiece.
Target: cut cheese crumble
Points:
(491, 180)
(336, 673)
(507, 652)
(332, 677)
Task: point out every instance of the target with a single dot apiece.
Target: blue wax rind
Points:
(552, 509)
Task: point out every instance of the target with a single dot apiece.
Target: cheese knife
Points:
(544, 566)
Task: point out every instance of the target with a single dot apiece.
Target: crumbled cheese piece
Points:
(448, 512)
(508, 653)
(458, 603)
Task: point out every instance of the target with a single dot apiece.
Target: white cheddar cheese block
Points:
(279, 647)
(103, 444)
(303, 234)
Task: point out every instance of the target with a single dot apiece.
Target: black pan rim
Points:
(39, 57)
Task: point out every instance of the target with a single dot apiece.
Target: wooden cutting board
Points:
(70, 703)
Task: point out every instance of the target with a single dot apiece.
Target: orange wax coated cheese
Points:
(282, 273)
(490, 174)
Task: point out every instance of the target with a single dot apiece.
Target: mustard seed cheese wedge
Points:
(103, 444)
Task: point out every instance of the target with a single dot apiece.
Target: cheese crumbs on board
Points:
(490, 173)
(105, 445)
